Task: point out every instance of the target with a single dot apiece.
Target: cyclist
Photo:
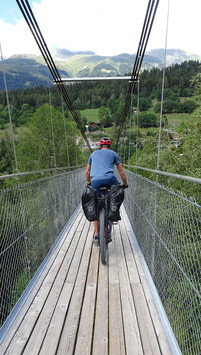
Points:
(99, 171)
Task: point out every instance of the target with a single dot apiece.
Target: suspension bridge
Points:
(56, 296)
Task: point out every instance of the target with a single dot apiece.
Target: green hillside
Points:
(30, 70)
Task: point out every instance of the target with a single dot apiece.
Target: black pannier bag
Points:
(90, 204)
(115, 199)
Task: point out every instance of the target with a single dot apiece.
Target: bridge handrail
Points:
(4, 177)
(164, 173)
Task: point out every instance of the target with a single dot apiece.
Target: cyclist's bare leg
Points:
(95, 239)
(96, 227)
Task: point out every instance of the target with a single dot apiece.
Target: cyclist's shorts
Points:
(96, 184)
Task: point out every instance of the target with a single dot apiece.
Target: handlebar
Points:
(124, 186)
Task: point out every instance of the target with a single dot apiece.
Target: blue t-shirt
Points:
(102, 163)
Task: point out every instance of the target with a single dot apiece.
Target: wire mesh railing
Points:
(167, 226)
(32, 215)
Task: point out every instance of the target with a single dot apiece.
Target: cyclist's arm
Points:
(88, 172)
(122, 174)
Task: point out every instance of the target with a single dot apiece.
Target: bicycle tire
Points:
(103, 238)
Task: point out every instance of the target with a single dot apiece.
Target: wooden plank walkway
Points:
(78, 306)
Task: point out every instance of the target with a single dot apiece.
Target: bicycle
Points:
(104, 226)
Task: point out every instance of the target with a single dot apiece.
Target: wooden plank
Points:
(120, 257)
(52, 336)
(116, 340)
(42, 325)
(69, 333)
(131, 330)
(113, 270)
(130, 324)
(81, 257)
(147, 332)
(116, 333)
(68, 336)
(85, 332)
(130, 261)
(100, 339)
(23, 333)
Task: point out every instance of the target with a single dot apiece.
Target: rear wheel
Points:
(103, 237)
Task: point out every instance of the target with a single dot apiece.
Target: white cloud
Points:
(105, 27)
(183, 27)
(16, 39)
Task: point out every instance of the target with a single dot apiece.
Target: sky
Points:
(106, 27)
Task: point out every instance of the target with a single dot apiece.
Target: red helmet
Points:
(105, 141)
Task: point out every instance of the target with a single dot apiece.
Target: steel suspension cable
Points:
(146, 30)
(35, 30)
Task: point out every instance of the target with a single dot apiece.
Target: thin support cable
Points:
(163, 84)
(158, 157)
(66, 139)
(137, 129)
(129, 144)
(76, 153)
(181, 162)
(134, 132)
(9, 113)
(17, 170)
(129, 137)
(124, 150)
(120, 153)
(131, 108)
(52, 128)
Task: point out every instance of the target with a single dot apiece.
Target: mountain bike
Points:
(104, 226)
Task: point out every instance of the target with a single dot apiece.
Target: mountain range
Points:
(30, 70)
